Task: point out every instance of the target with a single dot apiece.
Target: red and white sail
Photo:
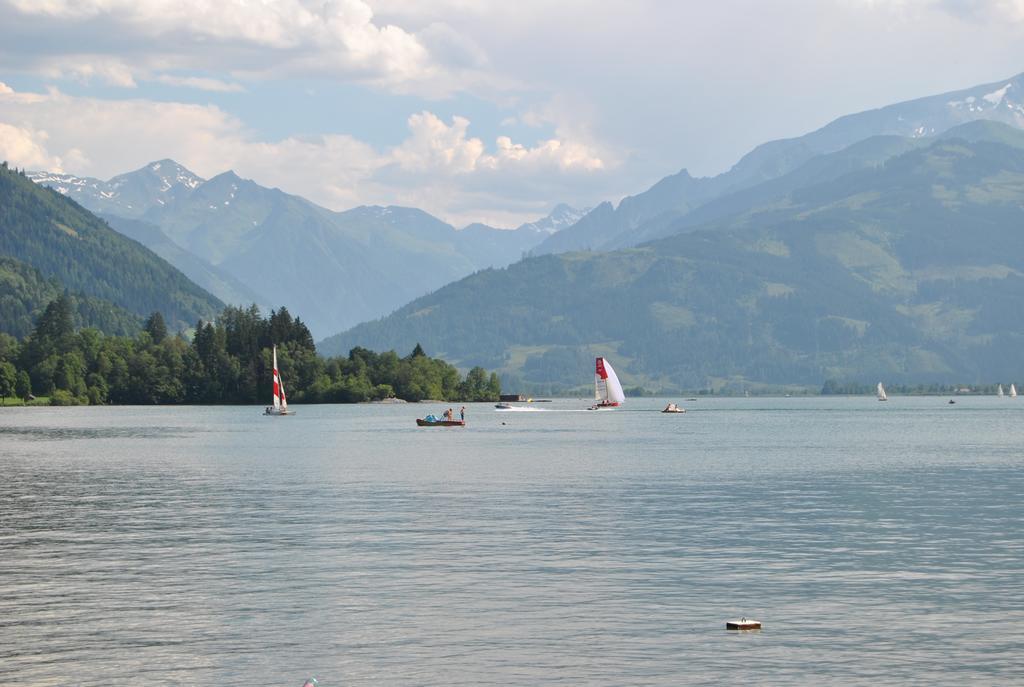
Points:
(607, 389)
(280, 400)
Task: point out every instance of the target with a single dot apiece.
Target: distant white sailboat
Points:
(607, 389)
(1013, 391)
(881, 393)
(280, 406)
(999, 390)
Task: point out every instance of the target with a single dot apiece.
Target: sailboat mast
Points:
(277, 384)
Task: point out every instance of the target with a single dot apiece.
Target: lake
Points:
(879, 543)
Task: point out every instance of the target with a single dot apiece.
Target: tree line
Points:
(227, 361)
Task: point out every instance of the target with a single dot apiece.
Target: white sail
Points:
(1013, 391)
(284, 399)
(881, 393)
(999, 390)
(607, 389)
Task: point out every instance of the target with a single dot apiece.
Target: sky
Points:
(472, 110)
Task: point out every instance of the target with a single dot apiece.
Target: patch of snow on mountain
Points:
(996, 97)
(561, 217)
(970, 102)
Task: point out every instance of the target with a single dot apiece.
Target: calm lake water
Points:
(880, 543)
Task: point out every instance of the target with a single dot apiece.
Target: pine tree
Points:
(156, 327)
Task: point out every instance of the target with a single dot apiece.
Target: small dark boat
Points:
(420, 422)
(743, 624)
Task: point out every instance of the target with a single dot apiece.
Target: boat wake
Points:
(521, 410)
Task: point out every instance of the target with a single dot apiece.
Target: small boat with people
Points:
(673, 408)
(607, 389)
(447, 419)
(431, 421)
(280, 406)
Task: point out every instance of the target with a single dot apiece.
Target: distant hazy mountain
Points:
(608, 227)
(490, 247)
(247, 243)
(63, 241)
(218, 282)
(912, 270)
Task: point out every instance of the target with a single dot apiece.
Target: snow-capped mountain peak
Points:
(561, 217)
(130, 194)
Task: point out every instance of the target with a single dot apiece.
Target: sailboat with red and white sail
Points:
(280, 406)
(607, 389)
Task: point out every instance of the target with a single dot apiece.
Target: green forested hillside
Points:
(24, 294)
(912, 271)
(62, 240)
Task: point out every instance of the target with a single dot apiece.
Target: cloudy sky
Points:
(475, 110)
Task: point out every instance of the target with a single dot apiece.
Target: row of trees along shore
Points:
(227, 361)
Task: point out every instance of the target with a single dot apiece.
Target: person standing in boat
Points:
(462, 413)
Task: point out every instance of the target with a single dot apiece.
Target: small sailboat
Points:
(999, 390)
(607, 389)
(280, 406)
(881, 393)
(1013, 391)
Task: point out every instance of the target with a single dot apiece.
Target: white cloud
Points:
(439, 147)
(200, 83)
(974, 10)
(439, 166)
(26, 148)
(89, 69)
(337, 39)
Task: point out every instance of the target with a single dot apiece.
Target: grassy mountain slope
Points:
(52, 233)
(912, 271)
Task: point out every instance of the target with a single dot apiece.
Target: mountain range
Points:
(246, 243)
(643, 217)
(897, 259)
